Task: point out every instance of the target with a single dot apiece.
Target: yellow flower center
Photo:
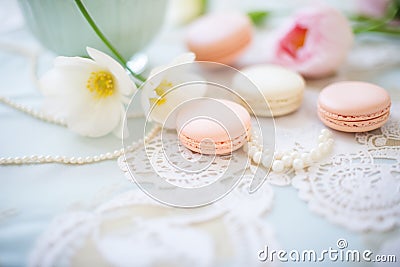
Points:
(160, 90)
(101, 84)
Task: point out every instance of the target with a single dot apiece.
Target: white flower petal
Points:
(75, 62)
(121, 130)
(94, 118)
(181, 59)
(60, 87)
(63, 81)
(125, 85)
(165, 114)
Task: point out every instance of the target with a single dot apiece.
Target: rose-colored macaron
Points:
(219, 37)
(353, 106)
(212, 126)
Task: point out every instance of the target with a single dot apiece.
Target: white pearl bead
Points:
(322, 138)
(295, 155)
(252, 151)
(109, 155)
(254, 135)
(330, 141)
(287, 161)
(278, 154)
(287, 153)
(326, 133)
(298, 164)
(278, 166)
(322, 149)
(266, 160)
(306, 158)
(257, 157)
(79, 160)
(326, 148)
(320, 146)
(315, 154)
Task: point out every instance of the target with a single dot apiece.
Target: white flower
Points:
(89, 93)
(162, 93)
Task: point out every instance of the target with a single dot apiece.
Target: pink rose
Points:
(373, 8)
(315, 42)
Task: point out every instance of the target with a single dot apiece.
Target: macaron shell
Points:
(219, 37)
(224, 123)
(354, 99)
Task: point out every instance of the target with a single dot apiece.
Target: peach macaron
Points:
(213, 126)
(353, 106)
(219, 37)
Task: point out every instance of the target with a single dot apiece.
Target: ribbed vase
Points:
(129, 24)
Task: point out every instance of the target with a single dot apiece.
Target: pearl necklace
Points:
(281, 161)
(38, 159)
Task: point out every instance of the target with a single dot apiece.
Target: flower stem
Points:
(99, 33)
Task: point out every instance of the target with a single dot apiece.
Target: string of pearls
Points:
(32, 112)
(282, 161)
(39, 159)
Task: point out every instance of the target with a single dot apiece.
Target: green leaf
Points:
(258, 17)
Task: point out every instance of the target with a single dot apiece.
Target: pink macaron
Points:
(212, 126)
(220, 37)
(353, 106)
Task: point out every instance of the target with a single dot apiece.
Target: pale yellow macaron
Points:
(281, 88)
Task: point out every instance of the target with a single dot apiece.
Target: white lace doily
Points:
(359, 190)
(165, 157)
(134, 228)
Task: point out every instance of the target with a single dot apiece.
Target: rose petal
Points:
(329, 38)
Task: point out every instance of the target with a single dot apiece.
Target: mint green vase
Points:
(129, 24)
